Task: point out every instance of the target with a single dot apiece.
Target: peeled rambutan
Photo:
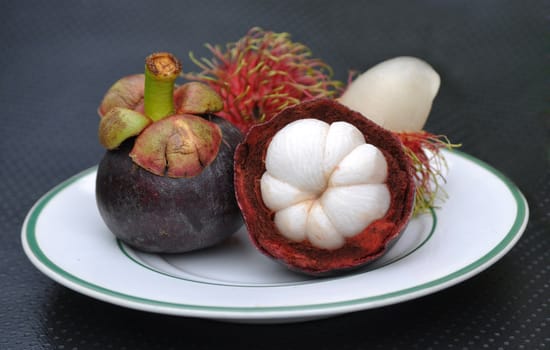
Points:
(263, 73)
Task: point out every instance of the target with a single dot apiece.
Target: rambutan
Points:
(263, 73)
(424, 151)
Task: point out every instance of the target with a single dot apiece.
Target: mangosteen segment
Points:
(342, 183)
(178, 146)
(334, 195)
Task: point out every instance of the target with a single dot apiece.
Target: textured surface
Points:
(58, 59)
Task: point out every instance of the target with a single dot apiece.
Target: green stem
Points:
(161, 71)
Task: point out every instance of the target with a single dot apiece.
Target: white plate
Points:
(65, 238)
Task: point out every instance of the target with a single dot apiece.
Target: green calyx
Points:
(172, 139)
(120, 124)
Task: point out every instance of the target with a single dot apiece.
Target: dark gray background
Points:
(58, 57)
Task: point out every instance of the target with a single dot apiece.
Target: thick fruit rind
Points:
(359, 250)
(160, 214)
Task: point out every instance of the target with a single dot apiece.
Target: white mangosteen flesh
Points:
(324, 182)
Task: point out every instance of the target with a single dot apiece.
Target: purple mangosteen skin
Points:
(159, 214)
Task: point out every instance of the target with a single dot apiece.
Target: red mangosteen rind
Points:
(161, 214)
(369, 244)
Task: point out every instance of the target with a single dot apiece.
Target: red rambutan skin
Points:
(424, 151)
(263, 73)
(363, 248)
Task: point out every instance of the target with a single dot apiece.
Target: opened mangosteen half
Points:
(322, 189)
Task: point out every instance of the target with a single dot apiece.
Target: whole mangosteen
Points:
(165, 183)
